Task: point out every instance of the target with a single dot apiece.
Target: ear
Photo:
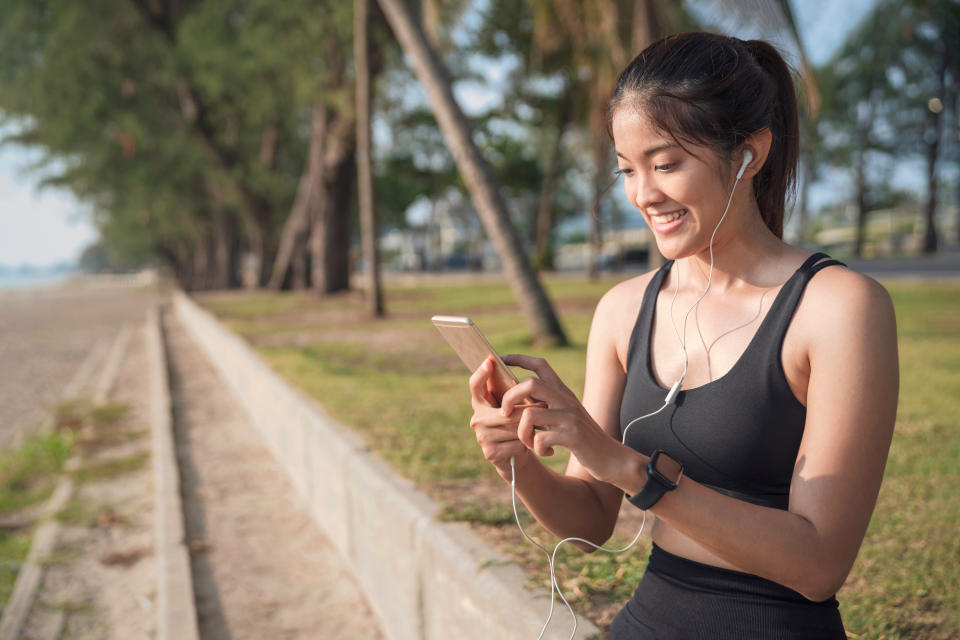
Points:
(759, 144)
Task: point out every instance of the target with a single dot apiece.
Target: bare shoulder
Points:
(841, 302)
(617, 311)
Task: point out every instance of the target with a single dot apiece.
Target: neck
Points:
(742, 246)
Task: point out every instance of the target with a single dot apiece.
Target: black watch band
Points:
(657, 484)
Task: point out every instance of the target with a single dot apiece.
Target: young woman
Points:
(771, 373)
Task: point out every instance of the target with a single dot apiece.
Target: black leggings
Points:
(682, 599)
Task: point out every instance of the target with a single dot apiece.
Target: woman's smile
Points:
(664, 223)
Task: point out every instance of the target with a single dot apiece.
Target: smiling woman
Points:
(760, 443)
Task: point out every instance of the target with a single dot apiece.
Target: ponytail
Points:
(775, 185)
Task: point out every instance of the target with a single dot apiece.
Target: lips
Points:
(667, 222)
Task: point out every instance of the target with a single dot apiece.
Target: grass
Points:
(398, 384)
(29, 473)
(104, 469)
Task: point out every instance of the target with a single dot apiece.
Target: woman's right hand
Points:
(496, 434)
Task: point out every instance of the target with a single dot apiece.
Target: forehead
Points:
(633, 134)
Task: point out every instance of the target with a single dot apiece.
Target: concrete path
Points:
(45, 336)
(261, 568)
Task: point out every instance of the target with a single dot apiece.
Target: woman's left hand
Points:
(563, 421)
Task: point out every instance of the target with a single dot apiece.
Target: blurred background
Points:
(322, 176)
(180, 135)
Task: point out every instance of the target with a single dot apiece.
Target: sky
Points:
(44, 227)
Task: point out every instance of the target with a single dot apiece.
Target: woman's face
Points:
(681, 196)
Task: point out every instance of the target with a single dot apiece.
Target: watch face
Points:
(669, 468)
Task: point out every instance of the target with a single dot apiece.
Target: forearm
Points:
(775, 544)
(566, 506)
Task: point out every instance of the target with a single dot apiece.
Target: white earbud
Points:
(747, 157)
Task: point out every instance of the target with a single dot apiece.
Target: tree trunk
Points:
(543, 258)
(803, 207)
(368, 215)
(477, 175)
(932, 131)
(297, 226)
(596, 229)
(861, 206)
(225, 250)
(330, 238)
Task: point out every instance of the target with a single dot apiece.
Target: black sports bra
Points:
(738, 434)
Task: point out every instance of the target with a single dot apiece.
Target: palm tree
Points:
(476, 172)
(368, 217)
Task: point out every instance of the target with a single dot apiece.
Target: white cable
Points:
(683, 340)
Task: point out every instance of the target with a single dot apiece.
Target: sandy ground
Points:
(44, 337)
(261, 567)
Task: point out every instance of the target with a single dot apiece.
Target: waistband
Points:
(708, 578)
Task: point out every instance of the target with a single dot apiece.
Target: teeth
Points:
(669, 217)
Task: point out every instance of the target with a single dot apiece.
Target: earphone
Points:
(671, 395)
(747, 157)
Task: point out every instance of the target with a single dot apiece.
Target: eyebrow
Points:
(652, 150)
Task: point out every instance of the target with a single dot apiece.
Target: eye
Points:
(623, 172)
(663, 168)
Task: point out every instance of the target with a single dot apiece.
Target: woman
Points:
(771, 447)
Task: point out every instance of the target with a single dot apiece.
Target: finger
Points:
(537, 365)
(495, 436)
(479, 392)
(543, 442)
(533, 388)
(532, 418)
(490, 418)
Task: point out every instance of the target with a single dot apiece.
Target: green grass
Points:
(398, 384)
(29, 473)
(104, 469)
(14, 546)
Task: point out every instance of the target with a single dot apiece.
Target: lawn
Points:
(397, 383)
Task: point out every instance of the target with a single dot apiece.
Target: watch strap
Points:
(655, 486)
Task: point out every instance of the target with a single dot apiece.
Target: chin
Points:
(673, 250)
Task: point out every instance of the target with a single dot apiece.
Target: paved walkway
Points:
(261, 567)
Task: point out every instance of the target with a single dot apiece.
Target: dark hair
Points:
(712, 90)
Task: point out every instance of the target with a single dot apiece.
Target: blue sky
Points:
(48, 226)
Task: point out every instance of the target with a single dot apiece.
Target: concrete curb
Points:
(176, 608)
(425, 579)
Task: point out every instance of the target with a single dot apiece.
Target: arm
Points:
(577, 503)
(851, 408)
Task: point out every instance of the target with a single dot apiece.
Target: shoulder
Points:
(617, 311)
(838, 292)
(840, 306)
(623, 297)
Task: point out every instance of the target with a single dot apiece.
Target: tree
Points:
(530, 294)
(886, 90)
(368, 217)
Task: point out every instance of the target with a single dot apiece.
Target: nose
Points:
(647, 192)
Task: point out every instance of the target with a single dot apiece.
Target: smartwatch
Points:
(663, 474)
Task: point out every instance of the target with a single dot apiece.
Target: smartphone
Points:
(473, 348)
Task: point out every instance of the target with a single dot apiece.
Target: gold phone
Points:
(473, 348)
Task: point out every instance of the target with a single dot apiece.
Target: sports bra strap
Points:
(809, 262)
(826, 263)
